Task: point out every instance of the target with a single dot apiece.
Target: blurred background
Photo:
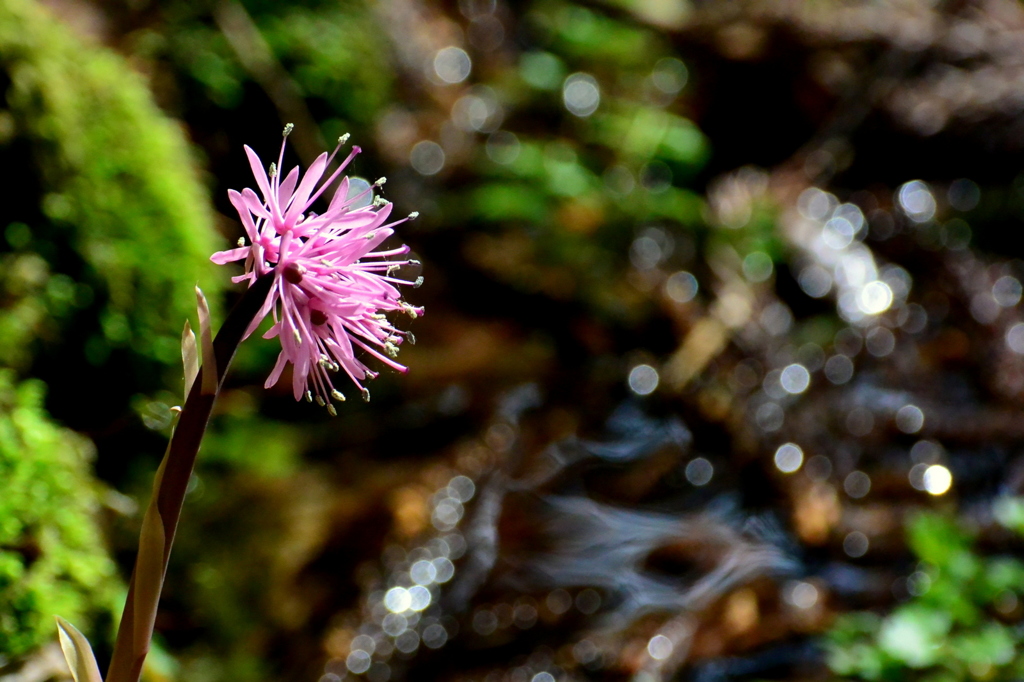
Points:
(720, 378)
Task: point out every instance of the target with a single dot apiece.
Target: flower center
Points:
(317, 317)
(292, 273)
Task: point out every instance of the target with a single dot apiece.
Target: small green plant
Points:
(961, 622)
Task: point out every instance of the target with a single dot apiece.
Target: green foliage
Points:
(958, 626)
(331, 50)
(52, 558)
(584, 34)
(108, 176)
(335, 54)
(237, 435)
(584, 184)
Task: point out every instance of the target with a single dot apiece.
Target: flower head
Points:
(331, 287)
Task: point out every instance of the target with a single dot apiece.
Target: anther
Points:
(317, 317)
(288, 128)
(414, 215)
(344, 138)
(320, 401)
(298, 336)
(415, 262)
(241, 241)
(366, 395)
(273, 170)
(331, 411)
(309, 396)
(293, 273)
(410, 338)
(337, 395)
(379, 201)
(391, 349)
(418, 283)
(380, 182)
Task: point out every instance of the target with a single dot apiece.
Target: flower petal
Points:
(284, 192)
(275, 374)
(230, 256)
(313, 174)
(259, 172)
(254, 205)
(243, 213)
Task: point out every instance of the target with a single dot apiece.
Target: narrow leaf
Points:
(209, 360)
(189, 357)
(149, 569)
(78, 653)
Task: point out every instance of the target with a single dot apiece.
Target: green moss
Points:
(52, 558)
(109, 176)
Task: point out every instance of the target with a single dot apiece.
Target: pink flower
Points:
(330, 287)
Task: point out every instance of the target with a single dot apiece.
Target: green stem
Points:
(131, 646)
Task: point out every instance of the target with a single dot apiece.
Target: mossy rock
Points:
(53, 560)
(105, 192)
